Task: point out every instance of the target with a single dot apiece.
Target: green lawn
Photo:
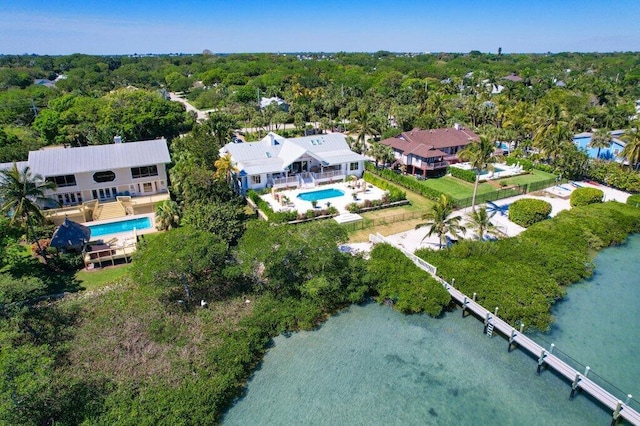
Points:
(534, 176)
(96, 278)
(456, 188)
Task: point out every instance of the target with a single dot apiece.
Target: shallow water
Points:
(598, 323)
(372, 365)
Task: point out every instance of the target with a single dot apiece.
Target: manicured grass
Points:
(456, 188)
(97, 278)
(534, 176)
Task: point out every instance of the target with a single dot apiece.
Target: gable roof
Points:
(65, 161)
(274, 153)
(428, 143)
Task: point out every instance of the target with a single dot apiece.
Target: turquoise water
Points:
(495, 170)
(371, 365)
(120, 226)
(598, 323)
(321, 194)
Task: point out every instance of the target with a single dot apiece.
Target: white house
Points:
(101, 172)
(265, 102)
(279, 162)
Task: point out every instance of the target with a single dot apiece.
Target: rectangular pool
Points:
(120, 226)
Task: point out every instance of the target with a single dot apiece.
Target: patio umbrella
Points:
(70, 236)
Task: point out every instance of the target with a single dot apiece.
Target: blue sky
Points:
(161, 26)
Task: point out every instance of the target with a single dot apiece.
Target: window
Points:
(105, 176)
(256, 179)
(144, 171)
(65, 180)
(354, 166)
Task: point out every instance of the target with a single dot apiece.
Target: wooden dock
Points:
(517, 338)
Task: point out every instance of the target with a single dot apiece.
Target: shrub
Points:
(466, 175)
(526, 164)
(395, 194)
(585, 196)
(408, 182)
(612, 174)
(544, 167)
(527, 211)
(634, 200)
(275, 217)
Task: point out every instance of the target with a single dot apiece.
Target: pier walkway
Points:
(517, 338)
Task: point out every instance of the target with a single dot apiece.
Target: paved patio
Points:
(349, 188)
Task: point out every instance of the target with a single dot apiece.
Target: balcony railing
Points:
(285, 182)
(334, 174)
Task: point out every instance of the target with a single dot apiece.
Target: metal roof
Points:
(20, 164)
(65, 161)
(266, 157)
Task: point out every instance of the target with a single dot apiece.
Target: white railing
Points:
(329, 175)
(285, 181)
(378, 238)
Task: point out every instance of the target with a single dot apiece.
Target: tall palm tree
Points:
(225, 167)
(601, 138)
(480, 220)
(21, 195)
(480, 154)
(631, 150)
(440, 221)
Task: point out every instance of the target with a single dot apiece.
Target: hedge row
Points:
(527, 211)
(395, 194)
(275, 217)
(408, 182)
(612, 174)
(585, 196)
(466, 175)
(526, 164)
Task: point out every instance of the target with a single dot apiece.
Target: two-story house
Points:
(429, 152)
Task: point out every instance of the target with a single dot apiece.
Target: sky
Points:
(105, 27)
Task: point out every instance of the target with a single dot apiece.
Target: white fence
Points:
(377, 238)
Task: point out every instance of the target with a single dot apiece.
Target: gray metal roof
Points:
(265, 157)
(65, 161)
(21, 165)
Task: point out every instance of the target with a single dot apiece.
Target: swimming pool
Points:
(495, 170)
(321, 194)
(120, 226)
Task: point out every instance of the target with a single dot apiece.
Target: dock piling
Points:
(616, 413)
(543, 355)
(586, 371)
(512, 337)
(553, 345)
(574, 385)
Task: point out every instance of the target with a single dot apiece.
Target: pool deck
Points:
(341, 202)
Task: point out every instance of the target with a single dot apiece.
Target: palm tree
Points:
(480, 220)
(600, 139)
(631, 150)
(21, 195)
(440, 221)
(480, 154)
(225, 167)
(364, 125)
(168, 215)
(381, 153)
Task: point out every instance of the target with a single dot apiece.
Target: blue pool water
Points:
(321, 194)
(121, 226)
(495, 170)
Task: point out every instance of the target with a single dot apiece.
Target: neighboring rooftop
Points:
(60, 161)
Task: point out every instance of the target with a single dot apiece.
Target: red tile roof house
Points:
(429, 152)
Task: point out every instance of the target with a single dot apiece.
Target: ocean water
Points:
(370, 365)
